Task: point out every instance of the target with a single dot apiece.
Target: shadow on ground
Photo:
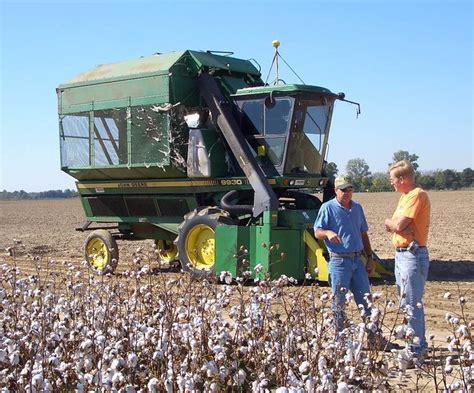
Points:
(442, 270)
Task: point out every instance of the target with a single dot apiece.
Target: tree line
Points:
(51, 194)
(363, 180)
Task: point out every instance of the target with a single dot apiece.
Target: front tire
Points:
(166, 250)
(196, 239)
(101, 252)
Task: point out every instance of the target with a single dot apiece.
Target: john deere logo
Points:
(132, 184)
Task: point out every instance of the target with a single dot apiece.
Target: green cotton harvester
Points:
(193, 149)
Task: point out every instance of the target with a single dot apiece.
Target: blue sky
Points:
(409, 64)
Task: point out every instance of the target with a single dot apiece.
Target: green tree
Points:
(426, 181)
(380, 182)
(331, 170)
(404, 155)
(451, 179)
(466, 177)
(358, 169)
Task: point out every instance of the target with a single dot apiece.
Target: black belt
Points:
(346, 254)
(403, 249)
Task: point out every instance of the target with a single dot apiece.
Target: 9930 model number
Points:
(232, 182)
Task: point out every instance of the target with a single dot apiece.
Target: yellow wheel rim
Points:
(200, 247)
(97, 253)
(167, 251)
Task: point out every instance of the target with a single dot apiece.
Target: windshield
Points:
(307, 144)
(267, 126)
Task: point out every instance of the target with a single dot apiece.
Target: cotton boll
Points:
(86, 345)
(130, 389)
(409, 333)
(153, 385)
(304, 367)
(117, 378)
(37, 381)
(463, 330)
(14, 358)
(343, 387)
(223, 372)
(239, 377)
(448, 369)
(117, 364)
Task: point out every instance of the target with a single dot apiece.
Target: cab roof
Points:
(282, 89)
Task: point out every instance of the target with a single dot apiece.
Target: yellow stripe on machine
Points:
(158, 184)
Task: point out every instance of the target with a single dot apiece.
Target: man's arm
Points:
(398, 225)
(323, 234)
(370, 267)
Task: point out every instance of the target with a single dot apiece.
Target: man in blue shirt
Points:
(341, 223)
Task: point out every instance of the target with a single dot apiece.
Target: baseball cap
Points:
(342, 182)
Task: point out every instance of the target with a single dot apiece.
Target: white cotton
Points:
(342, 387)
(152, 385)
(304, 367)
(132, 360)
(239, 377)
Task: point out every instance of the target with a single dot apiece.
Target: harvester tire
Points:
(196, 240)
(166, 250)
(101, 252)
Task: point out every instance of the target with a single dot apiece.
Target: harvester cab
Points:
(192, 149)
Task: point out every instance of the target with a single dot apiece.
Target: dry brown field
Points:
(46, 228)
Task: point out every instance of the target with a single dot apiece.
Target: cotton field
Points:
(143, 330)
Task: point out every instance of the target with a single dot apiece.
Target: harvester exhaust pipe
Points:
(265, 198)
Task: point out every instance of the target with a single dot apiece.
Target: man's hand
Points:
(333, 237)
(327, 234)
(370, 266)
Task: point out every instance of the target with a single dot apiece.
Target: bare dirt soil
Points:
(46, 228)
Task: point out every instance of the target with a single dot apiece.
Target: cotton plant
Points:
(137, 331)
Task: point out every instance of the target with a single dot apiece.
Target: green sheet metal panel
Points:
(232, 249)
(157, 79)
(287, 256)
(126, 69)
(118, 94)
(297, 218)
(211, 60)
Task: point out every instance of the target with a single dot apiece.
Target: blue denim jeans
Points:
(411, 272)
(347, 274)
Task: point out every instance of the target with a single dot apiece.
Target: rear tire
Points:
(196, 240)
(101, 252)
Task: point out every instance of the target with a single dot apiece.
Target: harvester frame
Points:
(193, 150)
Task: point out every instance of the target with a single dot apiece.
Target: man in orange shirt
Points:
(409, 225)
